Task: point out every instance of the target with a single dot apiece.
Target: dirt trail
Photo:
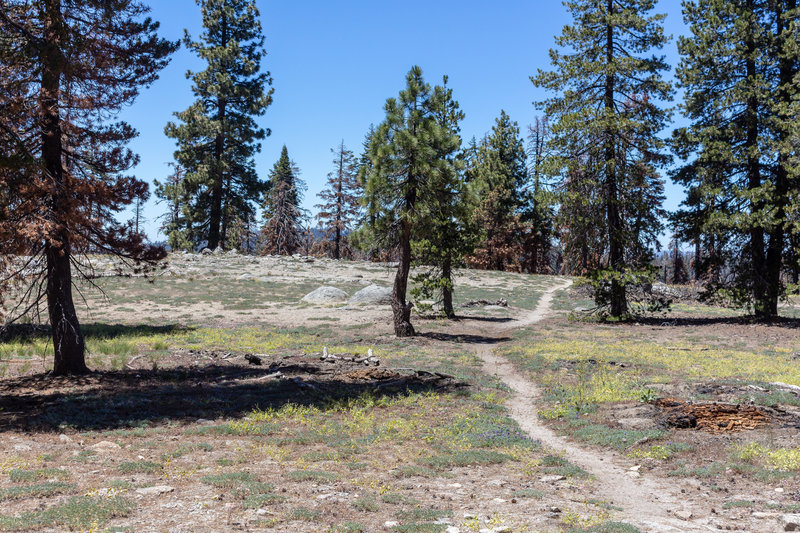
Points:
(647, 501)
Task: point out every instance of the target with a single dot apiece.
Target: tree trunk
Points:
(68, 343)
(215, 217)
(777, 237)
(757, 256)
(447, 289)
(401, 310)
(619, 303)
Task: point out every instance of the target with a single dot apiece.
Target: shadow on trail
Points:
(465, 338)
(135, 398)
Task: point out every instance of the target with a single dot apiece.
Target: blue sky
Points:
(334, 65)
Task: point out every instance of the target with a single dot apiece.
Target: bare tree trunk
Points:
(777, 237)
(68, 343)
(447, 290)
(619, 302)
(401, 310)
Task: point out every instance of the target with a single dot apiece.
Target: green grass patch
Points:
(39, 490)
(77, 513)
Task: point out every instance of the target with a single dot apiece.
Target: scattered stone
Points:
(155, 491)
(325, 295)
(761, 514)
(555, 509)
(105, 446)
(217, 250)
(635, 468)
(390, 524)
(633, 474)
(790, 522)
(22, 448)
(253, 359)
(497, 483)
(372, 295)
(206, 251)
(64, 438)
(779, 489)
(551, 479)
(452, 529)
(683, 515)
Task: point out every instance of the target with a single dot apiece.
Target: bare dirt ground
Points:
(180, 429)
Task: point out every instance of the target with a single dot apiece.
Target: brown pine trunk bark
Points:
(757, 255)
(777, 237)
(447, 290)
(215, 216)
(401, 310)
(619, 302)
(68, 343)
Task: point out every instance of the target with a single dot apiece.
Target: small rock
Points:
(496, 483)
(683, 515)
(551, 479)
(64, 438)
(498, 500)
(555, 509)
(452, 529)
(501, 529)
(635, 468)
(155, 491)
(790, 522)
(22, 448)
(779, 489)
(761, 514)
(105, 446)
(633, 474)
(390, 524)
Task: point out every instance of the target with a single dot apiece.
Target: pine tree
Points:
(443, 236)
(338, 214)
(177, 223)
(606, 90)
(739, 69)
(66, 70)
(218, 135)
(499, 175)
(283, 229)
(539, 212)
(407, 156)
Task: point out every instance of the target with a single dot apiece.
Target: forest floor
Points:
(517, 418)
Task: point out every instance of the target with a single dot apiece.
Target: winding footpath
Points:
(648, 502)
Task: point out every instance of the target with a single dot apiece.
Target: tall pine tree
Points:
(66, 70)
(218, 136)
(739, 71)
(283, 228)
(606, 119)
(443, 235)
(339, 212)
(498, 175)
(408, 156)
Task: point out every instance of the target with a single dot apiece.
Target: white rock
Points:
(551, 479)
(325, 295)
(390, 524)
(22, 448)
(105, 446)
(64, 438)
(155, 491)
(452, 529)
(372, 295)
(790, 522)
(683, 515)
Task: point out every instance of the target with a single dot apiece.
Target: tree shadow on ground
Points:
(33, 332)
(136, 398)
(781, 322)
(464, 338)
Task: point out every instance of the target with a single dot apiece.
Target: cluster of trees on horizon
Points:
(584, 196)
